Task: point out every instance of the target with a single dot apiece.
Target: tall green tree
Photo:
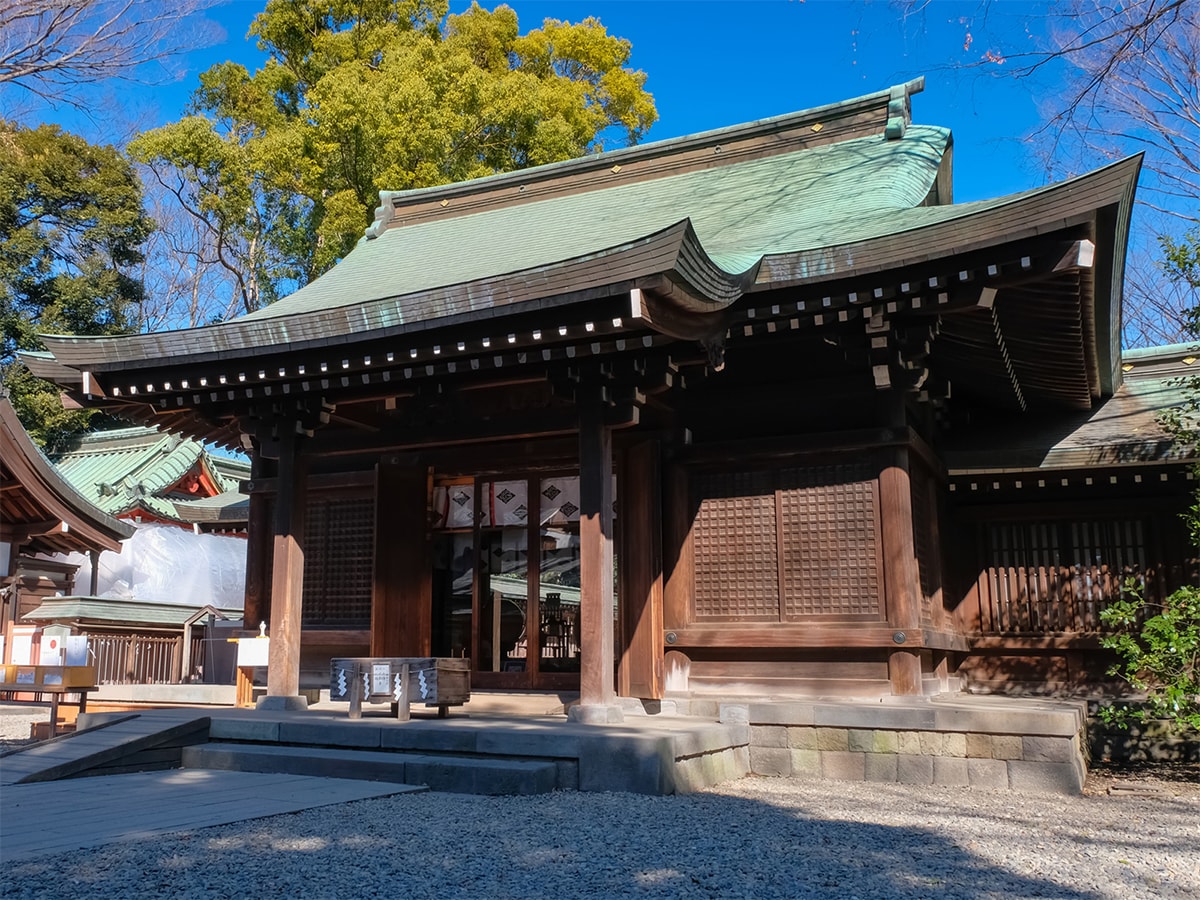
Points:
(284, 166)
(71, 232)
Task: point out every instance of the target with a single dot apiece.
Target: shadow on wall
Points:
(702, 845)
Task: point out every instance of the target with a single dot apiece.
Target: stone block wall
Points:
(1031, 745)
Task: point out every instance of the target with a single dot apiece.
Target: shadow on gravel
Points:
(557, 846)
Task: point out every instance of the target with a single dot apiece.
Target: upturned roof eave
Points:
(674, 252)
(94, 528)
(1038, 209)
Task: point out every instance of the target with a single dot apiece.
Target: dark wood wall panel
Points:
(926, 541)
(828, 541)
(339, 538)
(787, 545)
(735, 547)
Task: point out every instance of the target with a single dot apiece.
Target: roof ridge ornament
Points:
(900, 108)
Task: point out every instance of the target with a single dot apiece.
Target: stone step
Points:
(452, 774)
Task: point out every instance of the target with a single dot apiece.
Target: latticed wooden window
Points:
(339, 541)
(786, 545)
(1048, 576)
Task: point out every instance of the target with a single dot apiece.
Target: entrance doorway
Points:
(506, 579)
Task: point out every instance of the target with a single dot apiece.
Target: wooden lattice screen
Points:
(787, 545)
(1053, 577)
(339, 552)
(737, 572)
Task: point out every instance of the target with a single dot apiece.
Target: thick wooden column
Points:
(639, 487)
(287, 579)
(597, 699)
(900, 571)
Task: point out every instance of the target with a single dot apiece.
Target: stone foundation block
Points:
(879, 767)
(843, 765)
(1044, 777)
(1007, 746)
(806, 763)
(988, 773)
(802, 738)
(979, 746)
(832, 739)
(1048, 749)
(770, 760)
(914, 768)
(860, 740)
(954, 744)
(768, 736)
(950, 770)
(909, 742)
(885, 742)
(933, 743)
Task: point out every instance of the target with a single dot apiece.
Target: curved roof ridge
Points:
(893, 103)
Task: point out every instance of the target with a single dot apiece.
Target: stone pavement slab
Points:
(58, 816)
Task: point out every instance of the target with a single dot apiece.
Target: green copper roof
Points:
(740, 212)
(131, 468)
(103, 610)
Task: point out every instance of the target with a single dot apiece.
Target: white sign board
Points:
(77, 649)
(51, 650)
(381, 678)
(253, 651)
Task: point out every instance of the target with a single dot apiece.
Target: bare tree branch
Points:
(51, 47)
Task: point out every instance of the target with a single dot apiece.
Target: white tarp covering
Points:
(168, 564)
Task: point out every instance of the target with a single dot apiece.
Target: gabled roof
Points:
(137, 468)
(701, 210)
(829, 218)
(39, 509)
(106, 611)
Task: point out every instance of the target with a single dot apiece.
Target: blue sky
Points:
(713, 63)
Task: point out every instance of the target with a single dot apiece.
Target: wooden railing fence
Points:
(139, 658)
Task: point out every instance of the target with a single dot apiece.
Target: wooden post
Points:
(900, 572)
(403, 710)
(287, 577)
(596, 695)
(244, 692)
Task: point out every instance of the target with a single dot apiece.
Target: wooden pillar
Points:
(94, 581)
(639, 487)
(900, 572)
(901, 580)
(596, 695)
(287, 575)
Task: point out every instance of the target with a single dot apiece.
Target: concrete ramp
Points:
(116, 743)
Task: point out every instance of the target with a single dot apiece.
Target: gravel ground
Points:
(755, 838)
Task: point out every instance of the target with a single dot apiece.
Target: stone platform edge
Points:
(1034, 747)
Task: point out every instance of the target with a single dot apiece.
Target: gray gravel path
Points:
(756, 838)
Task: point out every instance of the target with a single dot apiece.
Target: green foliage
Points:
(358, 96)
(71, 232)
(1159, 650)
